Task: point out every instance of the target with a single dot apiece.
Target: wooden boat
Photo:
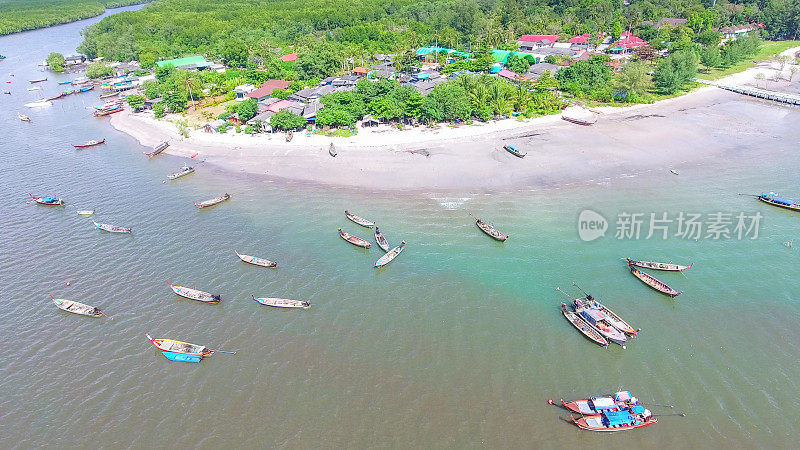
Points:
(108, 112)
(169, 345)
(213, 201)
(76, 307)
(182, 357)
(359, 220)
(586, 329)
(673, 171)
(65, 82)
(158, 149)
(2, 57)
(39, 104)
(6, 92)
(355, 240)
(47, 201)
(514, 151)
(332, 150)
(86, 213)
(597, 405)
(773, 199)
(597, 319)
(68, 92)
(380, 239)
(289, 135)
(55, 98)
(23, 117)
(627, 419)
(283, 303)
(256, 261)
(109, 95)
(490, 230)
(653, 282)
(111, 228)
(84, 89)
(34, 88)
(658, 266)
(185, 170)
(194, 294)
(612, 318)
(37, 80)
(579, 115)
(390, 255)
(90, 143)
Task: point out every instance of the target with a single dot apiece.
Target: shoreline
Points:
(625, 141)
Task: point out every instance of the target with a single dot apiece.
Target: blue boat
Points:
(773, 199)
(65, 82)
(182, 357)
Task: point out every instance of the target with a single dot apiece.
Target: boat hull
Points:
(390, 255)
(582, 424)
(794, 207)
(654, 282)
(282, 303)
(490, 230)
(359, 220)
(182, 357)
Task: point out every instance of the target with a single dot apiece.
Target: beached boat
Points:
(158, 149)
(514, 151)
(38, 80)
(76, 307)
(283, 303)
(39, 104)
(579, 115)
(332, 150)
(194, 294)
(109, 95)
(256, 261)
(628, 419)
(490, 230)
(597, 319)
(773, 199)
(170, 345)
(213, 201)
(586, 329)
(658, 266)
(185, 170)
(390, 255)
(111, 228)
(86, 212)
(50, 200)
(108, 112)
(182, 357)
(380, 239)
(598, 405)
(355, 240)
(23, 117)
(359, 220)
(653, 282)
(610, 317)
(90, 143)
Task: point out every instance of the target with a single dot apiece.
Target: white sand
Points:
(625, 140)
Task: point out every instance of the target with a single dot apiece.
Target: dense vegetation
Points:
(21, 15)
(55, 61)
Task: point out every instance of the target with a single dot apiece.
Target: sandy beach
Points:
(625, 141)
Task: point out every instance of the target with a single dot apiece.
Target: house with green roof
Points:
(193, 62)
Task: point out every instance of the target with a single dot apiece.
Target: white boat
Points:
(34, 88)
(194, 294)
(256, 261)
(283, 303)
(390, 255)
(359, 220)
(39, 104)
(185, 170)
(86, 212)
(579, 115)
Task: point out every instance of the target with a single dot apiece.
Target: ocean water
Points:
(458, 343)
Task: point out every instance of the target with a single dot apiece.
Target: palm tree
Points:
(497, 100)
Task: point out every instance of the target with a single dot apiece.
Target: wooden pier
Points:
(780, 97)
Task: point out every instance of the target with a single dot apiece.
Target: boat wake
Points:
(451, 203)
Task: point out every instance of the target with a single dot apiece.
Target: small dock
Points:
(780, 97)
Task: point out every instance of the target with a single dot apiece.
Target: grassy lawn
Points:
(769, 49)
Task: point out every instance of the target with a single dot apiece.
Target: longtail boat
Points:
(332, 150)
(491, 230)
(355, 240)
(85, 89)
(359, 220)
(627, 419)
(90, 143)
(194, 294)
(579, 115)
(283, 303)
(773, 199)
(658, 266)
(654, 282)
(598, 405)
(586, 329)
(88, 212)
(39, 80)
(185, 170)
(76, 307)
(598, 320)
(55, 98)
(514, 151)
(47, 201)
(108, 112)
(380, 239)
(213, 201)
(6, 92)
(110, 94)
(158, 149)
(611, 317)
(23, 117)
(65, 82)
(256, 261)
(169, 345)
(182, 357)
(111, 228)
(390, 255)
(34, 88)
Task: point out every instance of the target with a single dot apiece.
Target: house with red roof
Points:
(528, 42)
(580, 39)
(263, 92)
(627, 41)
(289, 57)
(360, 71)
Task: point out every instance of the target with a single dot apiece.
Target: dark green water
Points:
(458, 343)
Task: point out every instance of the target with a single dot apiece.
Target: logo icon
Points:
(591, 225)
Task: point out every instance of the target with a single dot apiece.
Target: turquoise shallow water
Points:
(458, 343)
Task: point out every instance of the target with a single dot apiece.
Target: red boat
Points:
(107, 112)
(56, 97)
(47, 201)
(355, 240)
(91, 143)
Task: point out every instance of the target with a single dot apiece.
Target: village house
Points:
(266, 89)
(242, 90)
(671, 21)
(193, 63)
(528, 42)
(536, 70)
(289, 58)
(627, 42)
(734, 31)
